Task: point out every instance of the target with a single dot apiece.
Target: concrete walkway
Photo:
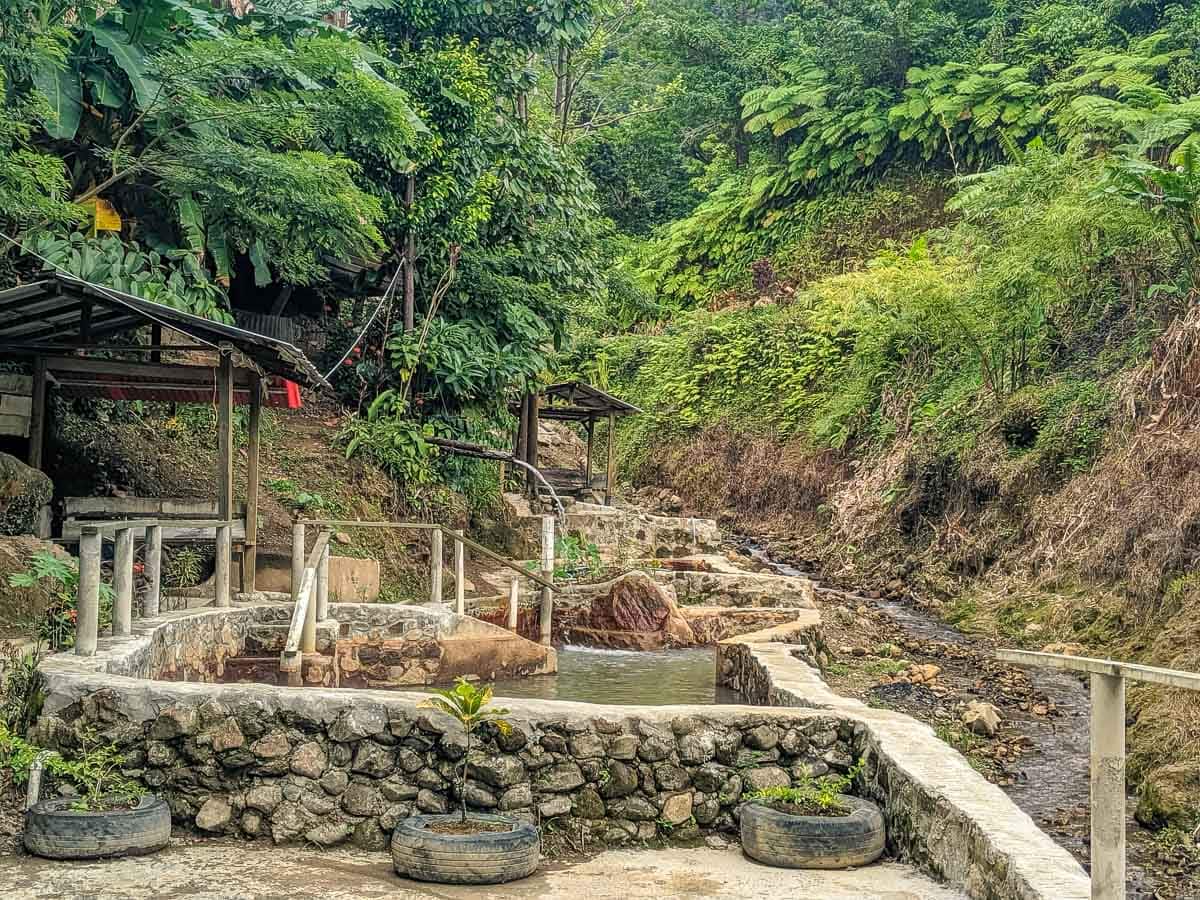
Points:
(221, 869)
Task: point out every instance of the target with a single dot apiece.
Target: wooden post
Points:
(323, 584)
(152, 550)
(514, 597)
(224, 565)
(253, 446)
(87, 604)
(587, 464)
(548, 574)
(37, 414)
(519, 451)
(1108, 787)
(435, 565)
(611, 478)
(410, 258)
(531, 443)
(225, 438)
(123, 583)
(297, 560)
(460, 577)
(156, 339)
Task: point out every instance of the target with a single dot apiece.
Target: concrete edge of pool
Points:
(330, 765)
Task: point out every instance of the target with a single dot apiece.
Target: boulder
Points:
(214, 815)
(981, 718)
(23, 493)
(638, 613)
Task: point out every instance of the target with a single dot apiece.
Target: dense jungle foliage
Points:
(934, 261)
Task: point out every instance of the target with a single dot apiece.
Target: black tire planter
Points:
(813, 842)
(54, 830)
(490, 857)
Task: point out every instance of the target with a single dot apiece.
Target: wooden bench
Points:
(80, 510)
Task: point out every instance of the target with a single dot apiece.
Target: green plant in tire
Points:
(812, 797)
(470, 706)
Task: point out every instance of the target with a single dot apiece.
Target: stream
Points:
(1050, 780)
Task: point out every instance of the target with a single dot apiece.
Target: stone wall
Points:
(941, 814)
(330, 766)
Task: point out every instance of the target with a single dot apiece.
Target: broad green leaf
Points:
(131, 58)
(65, 95)
(262, 272)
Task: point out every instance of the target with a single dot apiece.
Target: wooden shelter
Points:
(82, 341)
(576, 402)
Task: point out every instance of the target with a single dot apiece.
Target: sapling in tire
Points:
(462, 848)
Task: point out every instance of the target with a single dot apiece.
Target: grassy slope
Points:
(1005, 419)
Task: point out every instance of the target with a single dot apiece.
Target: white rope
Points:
(382, 300)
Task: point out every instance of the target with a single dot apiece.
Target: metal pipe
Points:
(514, 596)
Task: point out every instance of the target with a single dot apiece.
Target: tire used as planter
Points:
(54, 830)
(490, 857)
(813, 842)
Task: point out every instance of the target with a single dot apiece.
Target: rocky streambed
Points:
(1033, 741)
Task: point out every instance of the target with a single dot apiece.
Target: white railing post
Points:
(152, 551)
(224, 564)
(1108, 787)
(322, 611)
(123, 583)
(435, 565)
(514, 596)
(87, 604)
(297, 559)
(460, 570)
(548, 574)
(308, 637)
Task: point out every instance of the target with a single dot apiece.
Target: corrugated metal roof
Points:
(59, 309)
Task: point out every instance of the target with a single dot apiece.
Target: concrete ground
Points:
(219, 869)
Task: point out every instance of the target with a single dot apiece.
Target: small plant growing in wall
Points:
(470, 706)
(59, 577)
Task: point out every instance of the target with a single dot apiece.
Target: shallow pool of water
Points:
(631, 678)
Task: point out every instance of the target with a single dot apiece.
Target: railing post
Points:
(224, 561)
(322, 611)
(87, 604)
(308, 637)
(297, 560)
(152, 550)
(460, 577)
(1108, 787)
(435, 565)
(123, 583)
(548, 574)
(514, 596)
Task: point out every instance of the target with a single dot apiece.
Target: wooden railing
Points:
(461, 543)
(1108, 679)
(123, 532)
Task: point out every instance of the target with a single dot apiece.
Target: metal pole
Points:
(1108, 787)
(514, 596)
(435, 565)
(323, 585)
(87, 605)
(548, 574)
(460, 569)
(297, 560)
(123, 583)
(308, 637)
(224, 561)
(152, 548)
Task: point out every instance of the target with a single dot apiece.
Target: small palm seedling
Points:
(470, 707)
